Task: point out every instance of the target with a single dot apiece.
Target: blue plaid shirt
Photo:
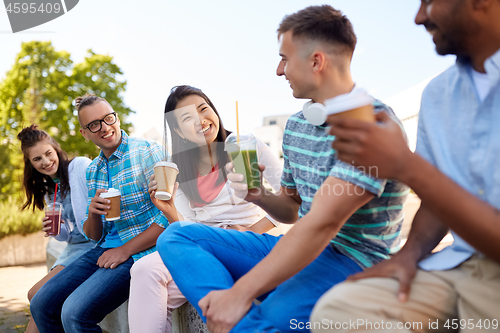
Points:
(130, 167)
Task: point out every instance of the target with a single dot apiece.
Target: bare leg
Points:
(31, 328)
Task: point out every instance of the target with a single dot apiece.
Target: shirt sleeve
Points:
(423, 145)
(286, 176)
(79, 190)
(91, 191)
(182, 206)
(151, 155)
(274, 168)
(357, 177)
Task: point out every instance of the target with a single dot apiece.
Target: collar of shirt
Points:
(491, 65)
(118, 153)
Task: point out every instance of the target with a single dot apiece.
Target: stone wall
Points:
(16, 250)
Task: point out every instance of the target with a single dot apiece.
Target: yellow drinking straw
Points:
(237, 124)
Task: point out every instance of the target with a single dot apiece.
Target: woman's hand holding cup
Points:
(240, 187)
(46, 225)
(152, 186)
(166, 206)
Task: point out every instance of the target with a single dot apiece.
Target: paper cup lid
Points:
(162, 195)
(112, 192)
(353, 100)
(167, 164)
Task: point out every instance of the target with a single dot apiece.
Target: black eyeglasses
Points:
(96, 125)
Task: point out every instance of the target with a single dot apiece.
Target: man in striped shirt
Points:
(344, 219)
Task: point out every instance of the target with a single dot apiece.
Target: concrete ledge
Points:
(116, 321)
(17, 250)
(187, 320)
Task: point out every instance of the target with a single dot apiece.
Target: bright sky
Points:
(228, 49)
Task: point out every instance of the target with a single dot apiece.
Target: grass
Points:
(22, 328)
(13, 221)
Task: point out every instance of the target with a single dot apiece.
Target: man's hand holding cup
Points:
(99, 205)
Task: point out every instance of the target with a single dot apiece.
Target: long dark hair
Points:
(36, 184)
(187, 154)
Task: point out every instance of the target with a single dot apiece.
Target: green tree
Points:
(40, 88)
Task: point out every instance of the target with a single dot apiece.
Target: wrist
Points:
(409, 254)
(94, 216)
(125, 248)
(244, 292)
(171, 217)
(409, 168)
(261, 199)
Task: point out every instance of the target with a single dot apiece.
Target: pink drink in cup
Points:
(53, 212)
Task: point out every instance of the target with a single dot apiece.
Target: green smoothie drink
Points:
(243, 154)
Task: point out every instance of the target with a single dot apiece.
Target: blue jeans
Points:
(202, 258)
(81, 295)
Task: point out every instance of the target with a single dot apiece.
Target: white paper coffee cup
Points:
(357, 104)
(114, 197)
(165, 175)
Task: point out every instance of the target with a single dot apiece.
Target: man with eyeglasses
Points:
(99, 281)
(456, 173)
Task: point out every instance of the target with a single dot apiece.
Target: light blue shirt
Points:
(460, 135)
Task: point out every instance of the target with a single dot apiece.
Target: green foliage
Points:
(40, 89)
(15, 222)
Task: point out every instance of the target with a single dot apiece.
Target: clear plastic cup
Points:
(53, 212)
(243, 154)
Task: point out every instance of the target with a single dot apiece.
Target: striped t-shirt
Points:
(372, 233)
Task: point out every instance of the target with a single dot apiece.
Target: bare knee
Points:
(32, 292)
(44, 280)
